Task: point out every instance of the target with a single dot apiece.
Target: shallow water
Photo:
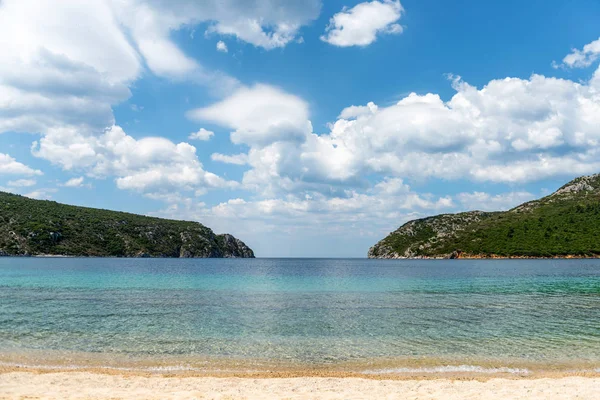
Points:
(303, 311)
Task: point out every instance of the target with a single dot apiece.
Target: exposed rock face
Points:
(36, 227)
(235, 248)
(581, 184)
(415, 237)
(213, 246)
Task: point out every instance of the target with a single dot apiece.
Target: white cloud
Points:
(22, 183)
(264, 23)
(487, 202)
(584, 57)
(511, 130)
(67, 29)
(237, 159)
(74, 182)
(277, 226)
(202, 134)
(363, 23)
(357, 111)
(10, 166)
(148, 165)
(41, 194)
(222, 47)
(259, 114)
(311, 185)
(64, 66)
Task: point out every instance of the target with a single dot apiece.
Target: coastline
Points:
(490, 257)
(396, 368)
(452, 372)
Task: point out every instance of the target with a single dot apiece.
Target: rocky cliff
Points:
(564, 224)
(38, 227)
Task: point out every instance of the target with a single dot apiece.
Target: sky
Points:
(305, 128)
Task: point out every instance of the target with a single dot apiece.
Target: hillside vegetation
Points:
(564, 224)
(39, 227)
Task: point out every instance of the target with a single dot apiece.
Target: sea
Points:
(251, 315)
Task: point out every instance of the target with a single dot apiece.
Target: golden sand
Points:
(92, 385)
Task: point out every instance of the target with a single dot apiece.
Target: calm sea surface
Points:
(304, 311)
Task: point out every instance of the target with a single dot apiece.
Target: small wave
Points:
(158, 369)
(449, 369)
(166, 368)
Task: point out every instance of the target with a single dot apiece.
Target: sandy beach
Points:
(88, 385)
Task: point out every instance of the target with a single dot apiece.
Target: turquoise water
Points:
(305, 311)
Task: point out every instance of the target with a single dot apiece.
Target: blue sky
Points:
(323, 126)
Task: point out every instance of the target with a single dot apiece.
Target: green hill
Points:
(39, 227)
(564, 224)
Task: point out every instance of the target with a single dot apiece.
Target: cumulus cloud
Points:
(22, 183)
(357, 111)
(264, 23)
(41, 194)
(275, 225)
(63, 67)
(222, 47)
(237, 159)
(74, 182)
(259, 114)
(584, 57)
(511, 130)
(148, 165)
(363, 23)
(202, 134)
(65, 64)
(10, 166)
(487, 202)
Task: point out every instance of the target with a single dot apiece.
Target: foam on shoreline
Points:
(450, 369)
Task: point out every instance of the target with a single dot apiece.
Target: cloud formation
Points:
(511, 130)
(584, 57)
(148, 165)
(363, 23)
(259, 115)
(222, 47)
(10, 166)
(74, 182)
(236, 159)
(65, 65)
(22, 183)
(202, 134)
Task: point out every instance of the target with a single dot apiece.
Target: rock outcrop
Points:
(233, 247)
(563, 224)
(415, 238)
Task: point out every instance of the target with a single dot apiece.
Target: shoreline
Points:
(445, 257)
(47, 362)
(299, 374)
(489, 257)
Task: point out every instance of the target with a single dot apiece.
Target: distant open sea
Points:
(368, 316)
